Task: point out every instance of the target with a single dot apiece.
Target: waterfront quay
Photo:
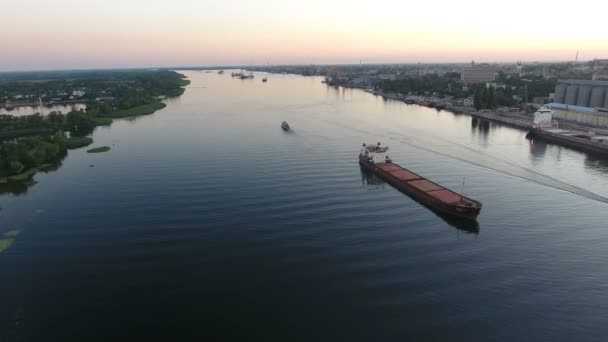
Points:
(510, 117)
(571, 134)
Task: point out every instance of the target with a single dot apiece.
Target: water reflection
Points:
(465, 225)
(44, 110)
(480, 128)
(333, 90)
(370, 178)
(538, 149)
(596, 162)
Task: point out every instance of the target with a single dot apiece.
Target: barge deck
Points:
(429, 193)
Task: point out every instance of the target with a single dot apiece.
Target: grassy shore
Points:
(99, 121)
(178, 91)
(19, 177)
(136, 111)
(77, 142)
(99, 149)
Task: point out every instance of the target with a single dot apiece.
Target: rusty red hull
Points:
(429, 193)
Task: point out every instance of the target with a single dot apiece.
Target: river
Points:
(206, 220)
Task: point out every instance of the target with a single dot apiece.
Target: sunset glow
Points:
(71, 34)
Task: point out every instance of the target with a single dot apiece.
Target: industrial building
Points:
(582, 93)
(581, 101)
(600, 69)
(478, 73)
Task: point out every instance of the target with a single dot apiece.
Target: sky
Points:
(71, 34)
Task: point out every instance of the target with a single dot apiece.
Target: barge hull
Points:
(570, 141)
(423, 190)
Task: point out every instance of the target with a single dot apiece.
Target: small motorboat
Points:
(285, 126)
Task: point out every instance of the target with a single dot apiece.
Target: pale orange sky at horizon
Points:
(67, 34)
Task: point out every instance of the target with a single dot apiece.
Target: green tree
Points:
(56, 120)
(79, 123)
(16, 167)
(491, 98)
(484, 97)
(477, 98)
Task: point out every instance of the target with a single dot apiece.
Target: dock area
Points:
(575, 139)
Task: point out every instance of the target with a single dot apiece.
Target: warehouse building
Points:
(581, 101)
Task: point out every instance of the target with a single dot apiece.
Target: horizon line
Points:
(242, 66)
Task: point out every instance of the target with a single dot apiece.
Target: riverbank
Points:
(77, 142)
(145, 109)
(513, 119)
(575, 136)
(45, 137)
(25, 178)
(20, 177)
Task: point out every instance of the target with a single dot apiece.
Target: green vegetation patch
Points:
(175, 92)
(5, 244)
(45, 167)
(101, 121)
(8, 239)
(24, 175)
(25, 132)
(144, 109)
(12, 233)
(77, 142)
(99, 149)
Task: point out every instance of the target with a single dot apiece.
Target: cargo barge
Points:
(546, 128)
(421, 189)
(578, 141)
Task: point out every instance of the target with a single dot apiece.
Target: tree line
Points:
(118, 84)
(442, 85)
(77, 122)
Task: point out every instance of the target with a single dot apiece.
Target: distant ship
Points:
(244, 77)
(220, 72)
(237, 74)
(264, 79)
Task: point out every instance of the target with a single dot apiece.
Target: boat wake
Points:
(514, 170)
(469, 155)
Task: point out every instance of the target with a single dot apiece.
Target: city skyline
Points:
(66, 35)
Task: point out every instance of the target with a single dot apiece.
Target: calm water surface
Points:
(206, 220)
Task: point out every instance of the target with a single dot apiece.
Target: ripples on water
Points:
(206, 220)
